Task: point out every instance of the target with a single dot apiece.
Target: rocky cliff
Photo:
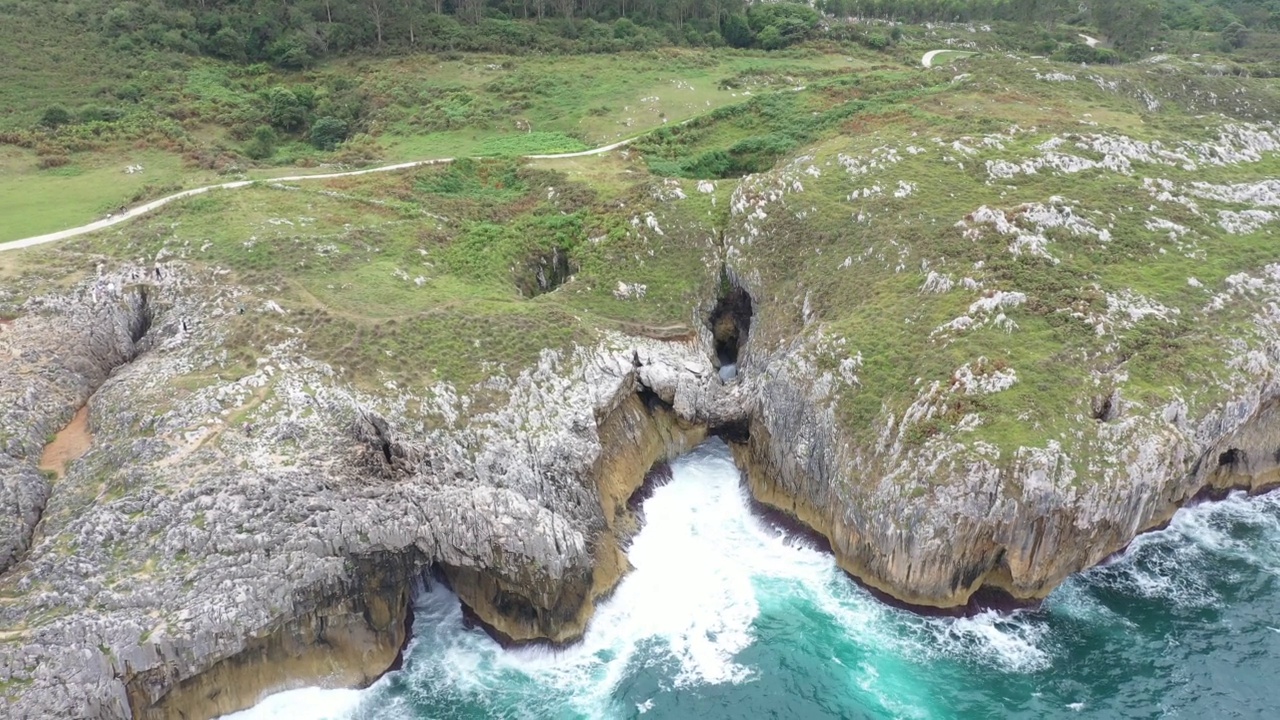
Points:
(226, 539)
(968, 360)
(995, 398)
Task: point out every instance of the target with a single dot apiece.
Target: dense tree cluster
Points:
(293, 33)
(1205, 15)
(1218, 15)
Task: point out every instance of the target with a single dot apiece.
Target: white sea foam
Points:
(687, 608)
(1014, 642)
(309, 703)
(707, 569)
(1180, 564)
(728, 371)
(686, 591)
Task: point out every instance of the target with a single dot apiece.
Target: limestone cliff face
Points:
(350, 639)
(923, 404)
(234, 533)
(242, 526)
(518, 602)
(1021, 526)
(191, 563)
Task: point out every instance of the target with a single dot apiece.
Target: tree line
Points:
(294, 33)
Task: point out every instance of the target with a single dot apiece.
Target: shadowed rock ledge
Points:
(349, 642)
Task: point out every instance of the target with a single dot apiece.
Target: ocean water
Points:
(724, 617)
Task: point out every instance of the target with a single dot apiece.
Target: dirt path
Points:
(926, 61)
(145, 208)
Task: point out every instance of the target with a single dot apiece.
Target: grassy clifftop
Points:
(450, 273)
(1017, 258)
(1040, 229)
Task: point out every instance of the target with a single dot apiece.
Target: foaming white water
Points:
(310, 703)
(1181, 564)
(1014, 642)
(728, 371)
(705, 571)
(687, 608)
(686, 589)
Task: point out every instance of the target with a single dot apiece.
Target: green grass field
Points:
(437, 274)
(950, 56)
(416, 276)
(182, 128)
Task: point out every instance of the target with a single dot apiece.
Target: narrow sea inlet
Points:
(724, 617)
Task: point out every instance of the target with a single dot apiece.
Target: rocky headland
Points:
(1075, 337)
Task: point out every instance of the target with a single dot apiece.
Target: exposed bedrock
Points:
(351, 636)
(939, 552)
(231, 535)
(529, 539)
(516, 599)
(194, 561)
(54, 358)
(933, 525)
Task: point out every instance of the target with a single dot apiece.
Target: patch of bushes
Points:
(465, 177)
(98, 113)
(55, 116)
(328, 132)
(48, 162)
(263, 143)
(876, 41)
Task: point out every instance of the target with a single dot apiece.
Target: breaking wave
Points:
(726, 616)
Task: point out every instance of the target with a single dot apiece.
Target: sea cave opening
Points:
(730, 324)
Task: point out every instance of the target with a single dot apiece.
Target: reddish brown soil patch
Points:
(69, 444)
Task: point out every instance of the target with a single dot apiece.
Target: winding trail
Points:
(927, 60)
(145, 208)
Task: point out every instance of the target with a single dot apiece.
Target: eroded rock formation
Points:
(906, 409)
(228, 538)
(246, 525)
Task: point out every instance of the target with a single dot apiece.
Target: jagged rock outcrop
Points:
(237, 531)
(979, 428)
(43, 384)
(1020, 526)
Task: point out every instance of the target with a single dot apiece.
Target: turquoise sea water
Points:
(723, 617)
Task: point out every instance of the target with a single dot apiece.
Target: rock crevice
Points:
(53, 376)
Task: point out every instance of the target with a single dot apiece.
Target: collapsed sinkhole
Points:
(142, 317)
(730, 324)
(103, 352)
(543, 272)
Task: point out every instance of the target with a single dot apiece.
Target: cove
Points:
(726, 616)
